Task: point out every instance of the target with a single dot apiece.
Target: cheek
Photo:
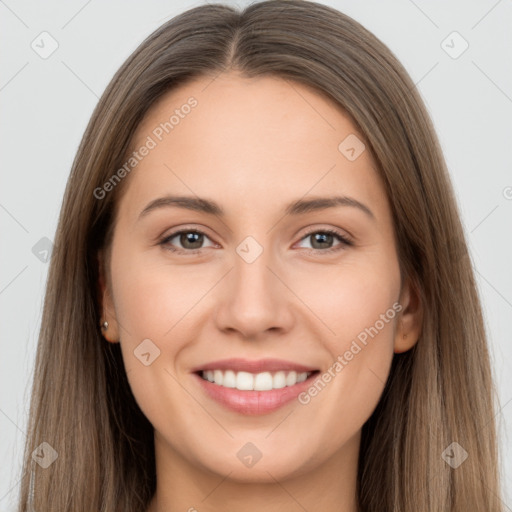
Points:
(154, 301)
(152, 297)
(351, 296)
(158, 302)
(360, 308)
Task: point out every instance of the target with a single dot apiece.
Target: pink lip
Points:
(253, 402)
(262, 365)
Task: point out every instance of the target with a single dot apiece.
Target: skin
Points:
(253, 146)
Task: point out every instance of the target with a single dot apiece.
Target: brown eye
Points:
(323, 240)
(187, 241)
(191, 240)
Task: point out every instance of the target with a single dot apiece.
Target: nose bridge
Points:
(253, 282)
(255, 300)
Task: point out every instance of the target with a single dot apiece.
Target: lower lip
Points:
(254, 402)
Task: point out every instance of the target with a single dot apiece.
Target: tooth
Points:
(218, 377)
(291, 378)
(244, 381)
(279, 380)
(263, 381)
(229, 379)
(301, 377)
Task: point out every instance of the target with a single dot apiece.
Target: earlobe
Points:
(410, 323)
(108, 323)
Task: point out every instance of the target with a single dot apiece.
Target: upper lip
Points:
(258, 366)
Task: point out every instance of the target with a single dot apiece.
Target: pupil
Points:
(324, 237)
(191, 238)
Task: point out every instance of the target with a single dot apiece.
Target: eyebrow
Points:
(298, 207)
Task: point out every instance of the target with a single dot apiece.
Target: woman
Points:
(248, 371)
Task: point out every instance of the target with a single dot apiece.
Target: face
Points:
(257, 278)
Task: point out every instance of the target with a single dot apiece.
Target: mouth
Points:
(254, 387)
(246, 381)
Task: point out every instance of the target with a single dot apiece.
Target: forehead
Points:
(229, 107)
(263, 139)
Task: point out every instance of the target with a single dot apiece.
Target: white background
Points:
(46, 103)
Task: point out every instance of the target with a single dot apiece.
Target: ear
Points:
(411, 319)
(111, 333)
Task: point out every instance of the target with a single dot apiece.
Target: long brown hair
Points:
(439, 392)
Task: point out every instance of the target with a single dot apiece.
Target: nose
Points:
(255, 299)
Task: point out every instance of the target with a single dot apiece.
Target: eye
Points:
(322, 240)
(190, 239)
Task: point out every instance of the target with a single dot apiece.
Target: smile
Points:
(245, 381)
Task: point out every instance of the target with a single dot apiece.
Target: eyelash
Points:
(341, 238)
